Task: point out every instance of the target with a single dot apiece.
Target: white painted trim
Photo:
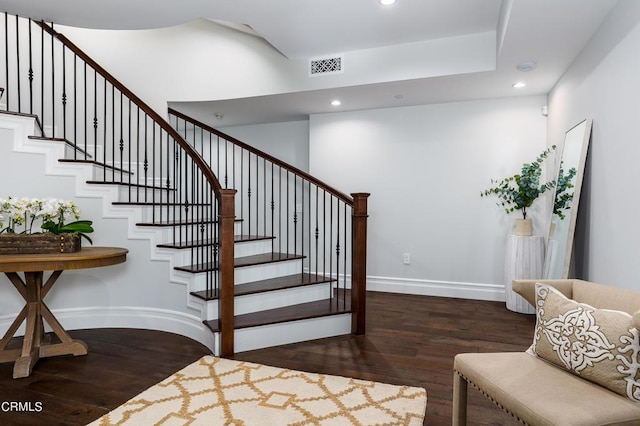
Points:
(465, 290)
(127, 317)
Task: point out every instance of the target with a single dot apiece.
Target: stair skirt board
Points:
(127, 317)
(265, 336)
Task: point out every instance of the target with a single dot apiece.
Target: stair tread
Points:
(271, 284)
(132, 184)
(179, 222)
(316, 309)
(202, 243)
(157, 203)
(65, 141)
(256, 259)
(95, 163)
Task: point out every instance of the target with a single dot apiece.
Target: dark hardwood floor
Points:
(410, 340)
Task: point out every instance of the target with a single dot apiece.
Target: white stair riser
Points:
(251, 303)
(278, 299)
(291, 332)
(128, 193)
(269, 270)
(250, 248)
(254, 273)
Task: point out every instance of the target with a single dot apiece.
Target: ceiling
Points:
(549, 32)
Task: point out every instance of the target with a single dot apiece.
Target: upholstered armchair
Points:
(582, 368)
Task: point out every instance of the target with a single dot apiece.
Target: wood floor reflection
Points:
(410, 340)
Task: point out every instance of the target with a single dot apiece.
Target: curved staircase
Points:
(269, 254)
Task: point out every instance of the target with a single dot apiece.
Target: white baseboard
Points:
(127, 317)
(477, 291)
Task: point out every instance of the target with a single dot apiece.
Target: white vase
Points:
(524, 227)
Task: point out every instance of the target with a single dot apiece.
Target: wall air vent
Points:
(326, 65)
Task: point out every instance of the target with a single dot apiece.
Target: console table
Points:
(33, 289)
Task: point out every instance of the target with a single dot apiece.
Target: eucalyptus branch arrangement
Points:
(563, 197)
(518, 192)
(22, 215)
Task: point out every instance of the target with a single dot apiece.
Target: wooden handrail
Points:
(342, 196)
(224, 197)
(202, 165)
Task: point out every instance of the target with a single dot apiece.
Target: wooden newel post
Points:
(359, 263)
(226, 223)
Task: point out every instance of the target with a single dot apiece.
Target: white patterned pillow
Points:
(599, 345)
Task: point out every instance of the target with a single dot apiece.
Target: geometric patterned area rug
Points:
(218, 391)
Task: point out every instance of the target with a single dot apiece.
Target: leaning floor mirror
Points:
(570, 170)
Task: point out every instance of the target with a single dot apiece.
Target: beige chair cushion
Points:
(540, 393)
(599, 345)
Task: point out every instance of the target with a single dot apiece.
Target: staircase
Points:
(271, 254)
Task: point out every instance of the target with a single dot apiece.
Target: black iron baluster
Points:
(104, 133)
(95, 114)
(64, 92)
(121, 144)
(75, 107)
(85, 117)
(344, 274)
(330, 237)
(7, 86)
(113, 134)
(30, 69)
(317, 231)
(241, 191)
(129, 149)
(226, 164)
(249, 193)
(295, 214)
(42, 116)
(153, 174)
(273, 209)
(18, 64)
(264, 197)
(288, 211)
(53, 90)
(145, 163)
(280, 209)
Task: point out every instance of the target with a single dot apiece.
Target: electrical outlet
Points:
(406, 258)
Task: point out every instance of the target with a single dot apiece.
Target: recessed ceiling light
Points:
(336, 102)
(218, 115)
(518, 85)
(387, 2)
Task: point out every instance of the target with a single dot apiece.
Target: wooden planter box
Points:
(39, 243)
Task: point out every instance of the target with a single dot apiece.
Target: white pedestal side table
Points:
(524, 259)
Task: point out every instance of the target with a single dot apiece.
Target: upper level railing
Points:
(306, 217)
(78, 102)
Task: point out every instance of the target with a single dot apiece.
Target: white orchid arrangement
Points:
(20, 215)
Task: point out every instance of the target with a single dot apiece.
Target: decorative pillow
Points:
(599, 345)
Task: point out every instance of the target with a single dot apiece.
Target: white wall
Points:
(137, 293)
(287, 141)
(425, 167)
(603, 84)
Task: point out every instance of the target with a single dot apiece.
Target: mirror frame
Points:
(573, 211)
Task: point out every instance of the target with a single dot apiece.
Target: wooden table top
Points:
(87, 257)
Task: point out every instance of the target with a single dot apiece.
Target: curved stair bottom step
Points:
(248, 339)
